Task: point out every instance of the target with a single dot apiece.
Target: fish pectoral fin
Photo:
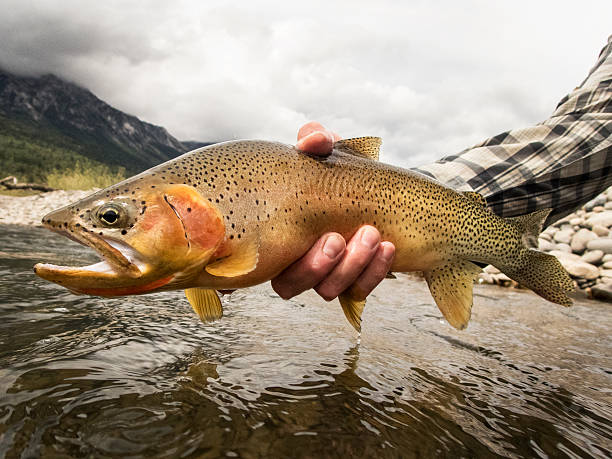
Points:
(367, 147)
(352, 309)
(205, 302)
(451, 287)
(242, 261)
(476, 197)
(390, 275)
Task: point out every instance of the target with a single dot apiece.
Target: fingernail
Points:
(369, 238)
(333, 246)
(388, 251)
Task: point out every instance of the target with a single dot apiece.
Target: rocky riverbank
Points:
(582, 241)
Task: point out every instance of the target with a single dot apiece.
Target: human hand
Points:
(333, 266)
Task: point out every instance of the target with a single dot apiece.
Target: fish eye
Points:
(108, 215)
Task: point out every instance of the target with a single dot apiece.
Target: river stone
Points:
(551, 230)
(602, 218)
(580, 239)
(607, 257)
(602, 243)
(598, 201)
(600, 230)
(602, 292)
(546, 237)
(605, 280)
(563, 247)
(545, 246)
(593, 256)
(576, 221)
(598, 209)
(608, 205)
(580, 269)
(607, 265)
(490, 269)
(563, 236)
(605, 272)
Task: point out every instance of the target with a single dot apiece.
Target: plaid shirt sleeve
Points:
(560, 163)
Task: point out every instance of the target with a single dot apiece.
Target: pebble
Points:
(593, 256)
(602, 243)
(607, 257)
(608, 205)
(600, 230)
(577, 221)
(601, 292)
(545, 246)
(579, 268)
(605, 272)
(580, 239)
(563, 247)
(564, 236)
(603, 218)
(598, 209)
(607, 265)
(546, 237)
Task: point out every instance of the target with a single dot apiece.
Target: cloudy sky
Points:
(430, 77)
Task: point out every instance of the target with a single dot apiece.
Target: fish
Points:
(236, 214)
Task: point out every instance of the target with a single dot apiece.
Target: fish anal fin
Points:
(242, 260)
(367, 147)
(451, 286)
(205, 302)
(352, 308)
(475, 197)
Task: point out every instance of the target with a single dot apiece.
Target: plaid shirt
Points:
(560, 163)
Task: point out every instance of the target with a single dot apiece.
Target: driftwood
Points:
(11, 183)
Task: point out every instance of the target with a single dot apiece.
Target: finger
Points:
(316, 143)
(359, 251)
(309, 270)
(309, 128)
(375, 272)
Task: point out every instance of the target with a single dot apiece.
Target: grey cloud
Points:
(431, 80)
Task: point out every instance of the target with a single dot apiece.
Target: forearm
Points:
(560, 163)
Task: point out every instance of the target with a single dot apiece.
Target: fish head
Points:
(154, 237)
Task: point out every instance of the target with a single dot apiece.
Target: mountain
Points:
(47, 123)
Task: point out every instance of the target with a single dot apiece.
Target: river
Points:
(143, 377)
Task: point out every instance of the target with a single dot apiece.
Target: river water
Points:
(143, 377)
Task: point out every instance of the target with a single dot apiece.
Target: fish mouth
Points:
(119, 260)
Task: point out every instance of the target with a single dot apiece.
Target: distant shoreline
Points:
(29, 210)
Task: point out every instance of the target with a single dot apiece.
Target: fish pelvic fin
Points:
(543, 274)
(451, 287)
(352, 308)
(530, 226)
(205, 302)
(366, 147)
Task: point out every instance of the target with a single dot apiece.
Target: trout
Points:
(236, 214)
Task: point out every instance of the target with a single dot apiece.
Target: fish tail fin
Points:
(536, 270)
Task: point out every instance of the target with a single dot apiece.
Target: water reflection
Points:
(143, 377)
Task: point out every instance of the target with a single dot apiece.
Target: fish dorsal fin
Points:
(366, 147)
(451, 286)
(476, 197)
(243, 260)
(352, 309)
(205, 302)
(530, 226)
